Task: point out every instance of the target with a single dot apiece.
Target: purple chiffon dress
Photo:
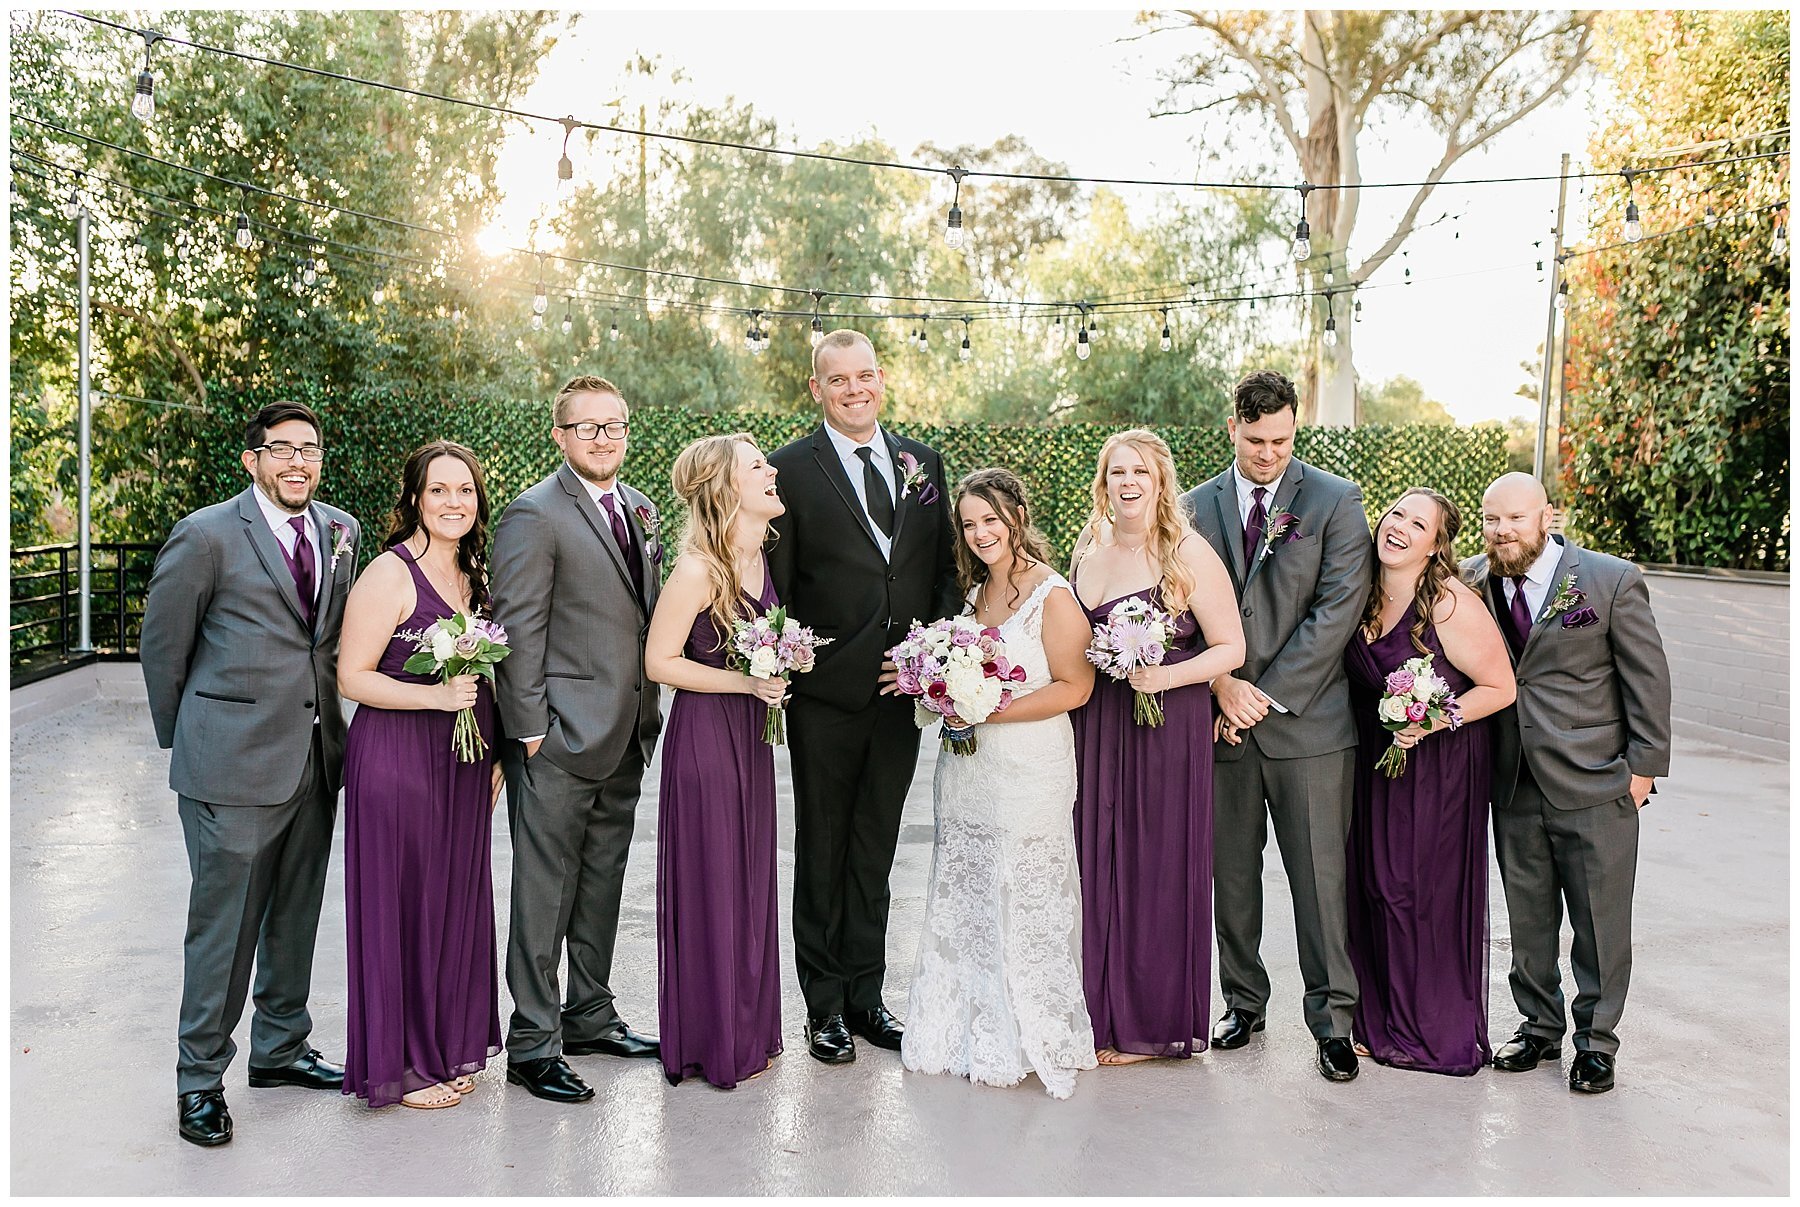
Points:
(1144, 837)
(1417, 875)
(719, 973)
(418, 893)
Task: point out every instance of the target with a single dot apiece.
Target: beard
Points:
(1515, 557)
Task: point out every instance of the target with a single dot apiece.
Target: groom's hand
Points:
(1640, 788)
(1241, 703)
(890, 676)
(531, 747)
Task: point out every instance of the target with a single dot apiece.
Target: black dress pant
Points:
(851, 775)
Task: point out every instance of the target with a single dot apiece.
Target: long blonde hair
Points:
(1169, 524)
(705, 478)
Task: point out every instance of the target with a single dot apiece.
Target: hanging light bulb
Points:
(1093, 330)
(1330, 276)
(565, 167)
(1302, 241)
(613, 333)
(965, 353)
(924, 343)
(1562, 295)
(1082, 348)
(1253, 303)
(1356, 311)
(953, 227)
(568, 320)
(1168, 336)
(456, 313)
(1331, 331)
(143, 99)
(763, 340)
(1711, 219)
(244, 238)
(1540, 272)
(12, 189)
(72, 207)
(379, 295)
(537, 322)
(1780, 245)
(540, 300)
(1634, 229)
(309, 272)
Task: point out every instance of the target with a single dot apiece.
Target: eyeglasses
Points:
(281, 450)
(615, 430)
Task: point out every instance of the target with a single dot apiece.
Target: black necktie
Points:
(875, 491)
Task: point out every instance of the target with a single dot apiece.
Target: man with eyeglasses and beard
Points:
(239, 653)
(1575, 758)
(575, 581)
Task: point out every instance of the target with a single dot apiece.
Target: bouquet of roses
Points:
(773, 646)
(1136, 633)
(1414, 695)
(462, 644)
(956, 670)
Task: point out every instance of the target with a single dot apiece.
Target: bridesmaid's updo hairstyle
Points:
(1169, 524)
(1002, 490)
(705, 479)
(1434, 581)
(404, 519)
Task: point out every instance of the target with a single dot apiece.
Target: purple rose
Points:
(908, 683)
(1399, 683)
(468, 644)
(963, 639)
(1415, 712)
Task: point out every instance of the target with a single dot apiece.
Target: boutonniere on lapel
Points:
(915, 484)
(340, 542)
(652, 526)
(1282, 527)
(1569, 603)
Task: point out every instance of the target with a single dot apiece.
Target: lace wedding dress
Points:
(996, 990)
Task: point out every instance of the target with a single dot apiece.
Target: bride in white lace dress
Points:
(996, 990)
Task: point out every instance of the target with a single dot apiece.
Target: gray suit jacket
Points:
(1300, 599)
(1594, 698)
(235, 677)
(576, 627)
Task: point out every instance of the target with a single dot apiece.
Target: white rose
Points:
(1425, 686)
(443, 645)
(1392, 708)
(764, 662)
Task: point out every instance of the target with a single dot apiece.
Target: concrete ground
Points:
(99, 886)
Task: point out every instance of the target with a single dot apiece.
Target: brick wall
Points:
(1727, 640)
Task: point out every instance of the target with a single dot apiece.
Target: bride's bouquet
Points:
(1136, 633)
(773, 646)
(955, 670)
(1414, 695)
(462, 644)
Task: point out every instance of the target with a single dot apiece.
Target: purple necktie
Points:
(1255, 526)
(1521, 614)
(304, 569)
(623, 536)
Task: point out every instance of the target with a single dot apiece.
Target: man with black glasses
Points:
(239, 652)
(575, 581)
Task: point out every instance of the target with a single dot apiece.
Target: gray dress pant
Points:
(1587, 857)
(570, 839)
(258, 881)
(1309, 800)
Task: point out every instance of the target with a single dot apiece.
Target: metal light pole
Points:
(1539, 456)
(84, 643)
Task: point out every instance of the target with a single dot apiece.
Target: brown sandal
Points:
(462, 1085)
(431, 1098)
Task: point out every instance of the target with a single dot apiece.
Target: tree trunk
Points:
(1328, 152)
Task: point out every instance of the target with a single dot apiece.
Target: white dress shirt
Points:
(1538, 579)
(853, 469)
(284, 533)
(1246, 498)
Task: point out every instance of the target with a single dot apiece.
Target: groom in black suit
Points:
(863, 550)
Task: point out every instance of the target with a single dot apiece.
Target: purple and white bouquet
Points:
(1414, 695)
(773, 646)
(462, 644)
(956, 671)
(1136, 633)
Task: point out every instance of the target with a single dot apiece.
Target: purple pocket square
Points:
(1580, 618)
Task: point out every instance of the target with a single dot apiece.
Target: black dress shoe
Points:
(549, 1078)
(877, 1026)
(1233, 1029)
(203, 1118)
(626, 1043)
(1591, 1072)
(1523, 1051)
(828, 1039)
(1337, 1059)
(312, 1071)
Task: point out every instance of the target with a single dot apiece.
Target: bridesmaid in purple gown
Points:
(1143, 808)
(1417, 851)
(719, 973)
(419, 900)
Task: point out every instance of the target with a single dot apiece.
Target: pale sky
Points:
(1077, 93)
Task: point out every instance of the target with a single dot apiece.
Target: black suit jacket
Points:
(829, 571)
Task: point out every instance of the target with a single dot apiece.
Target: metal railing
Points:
(45, 605)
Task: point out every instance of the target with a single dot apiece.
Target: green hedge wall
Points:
(186, 459)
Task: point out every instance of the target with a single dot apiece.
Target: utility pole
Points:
(84, 641)
(1539, 456)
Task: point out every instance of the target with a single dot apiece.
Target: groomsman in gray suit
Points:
(1297, 545)
(1575, 758)
(239, 652)
(575, 582)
